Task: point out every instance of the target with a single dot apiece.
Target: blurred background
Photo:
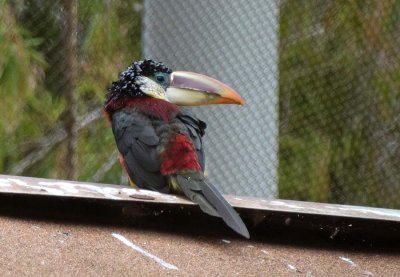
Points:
(321, 80)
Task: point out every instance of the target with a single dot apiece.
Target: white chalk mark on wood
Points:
(353, 264)
(144, 252)
(368, 273)
(36, 187)
(66, 188)
(294, 268)
(5, 183)
(106, 191)
(347, 260)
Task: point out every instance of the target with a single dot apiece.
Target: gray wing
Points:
(137, 143)
(196, 129)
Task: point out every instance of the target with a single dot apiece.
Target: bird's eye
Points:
(160, 78)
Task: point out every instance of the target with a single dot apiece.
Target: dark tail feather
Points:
(211, 201)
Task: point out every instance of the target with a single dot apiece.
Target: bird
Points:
(160, 141)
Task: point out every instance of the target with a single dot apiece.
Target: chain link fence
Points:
(235, 42)
(320, 78)
(338, 95)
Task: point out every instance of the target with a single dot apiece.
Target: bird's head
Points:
(148, 78)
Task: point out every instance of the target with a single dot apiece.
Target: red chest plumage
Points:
(179, 156)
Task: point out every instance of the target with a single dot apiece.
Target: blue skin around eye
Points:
(161, 79)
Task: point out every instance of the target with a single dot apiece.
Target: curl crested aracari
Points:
(160, 144)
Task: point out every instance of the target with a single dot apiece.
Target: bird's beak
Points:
(193, 89)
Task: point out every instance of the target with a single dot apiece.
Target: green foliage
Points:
(339, 91)
(115, 28)
(20, 66)
(21, 72)
(32, 79)
(312, 178)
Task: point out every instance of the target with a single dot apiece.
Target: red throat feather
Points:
(146, 105)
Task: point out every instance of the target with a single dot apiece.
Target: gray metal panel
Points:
(235, 42)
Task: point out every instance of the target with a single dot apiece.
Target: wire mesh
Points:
(213, 38)
(320, 79)
(339, 138)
